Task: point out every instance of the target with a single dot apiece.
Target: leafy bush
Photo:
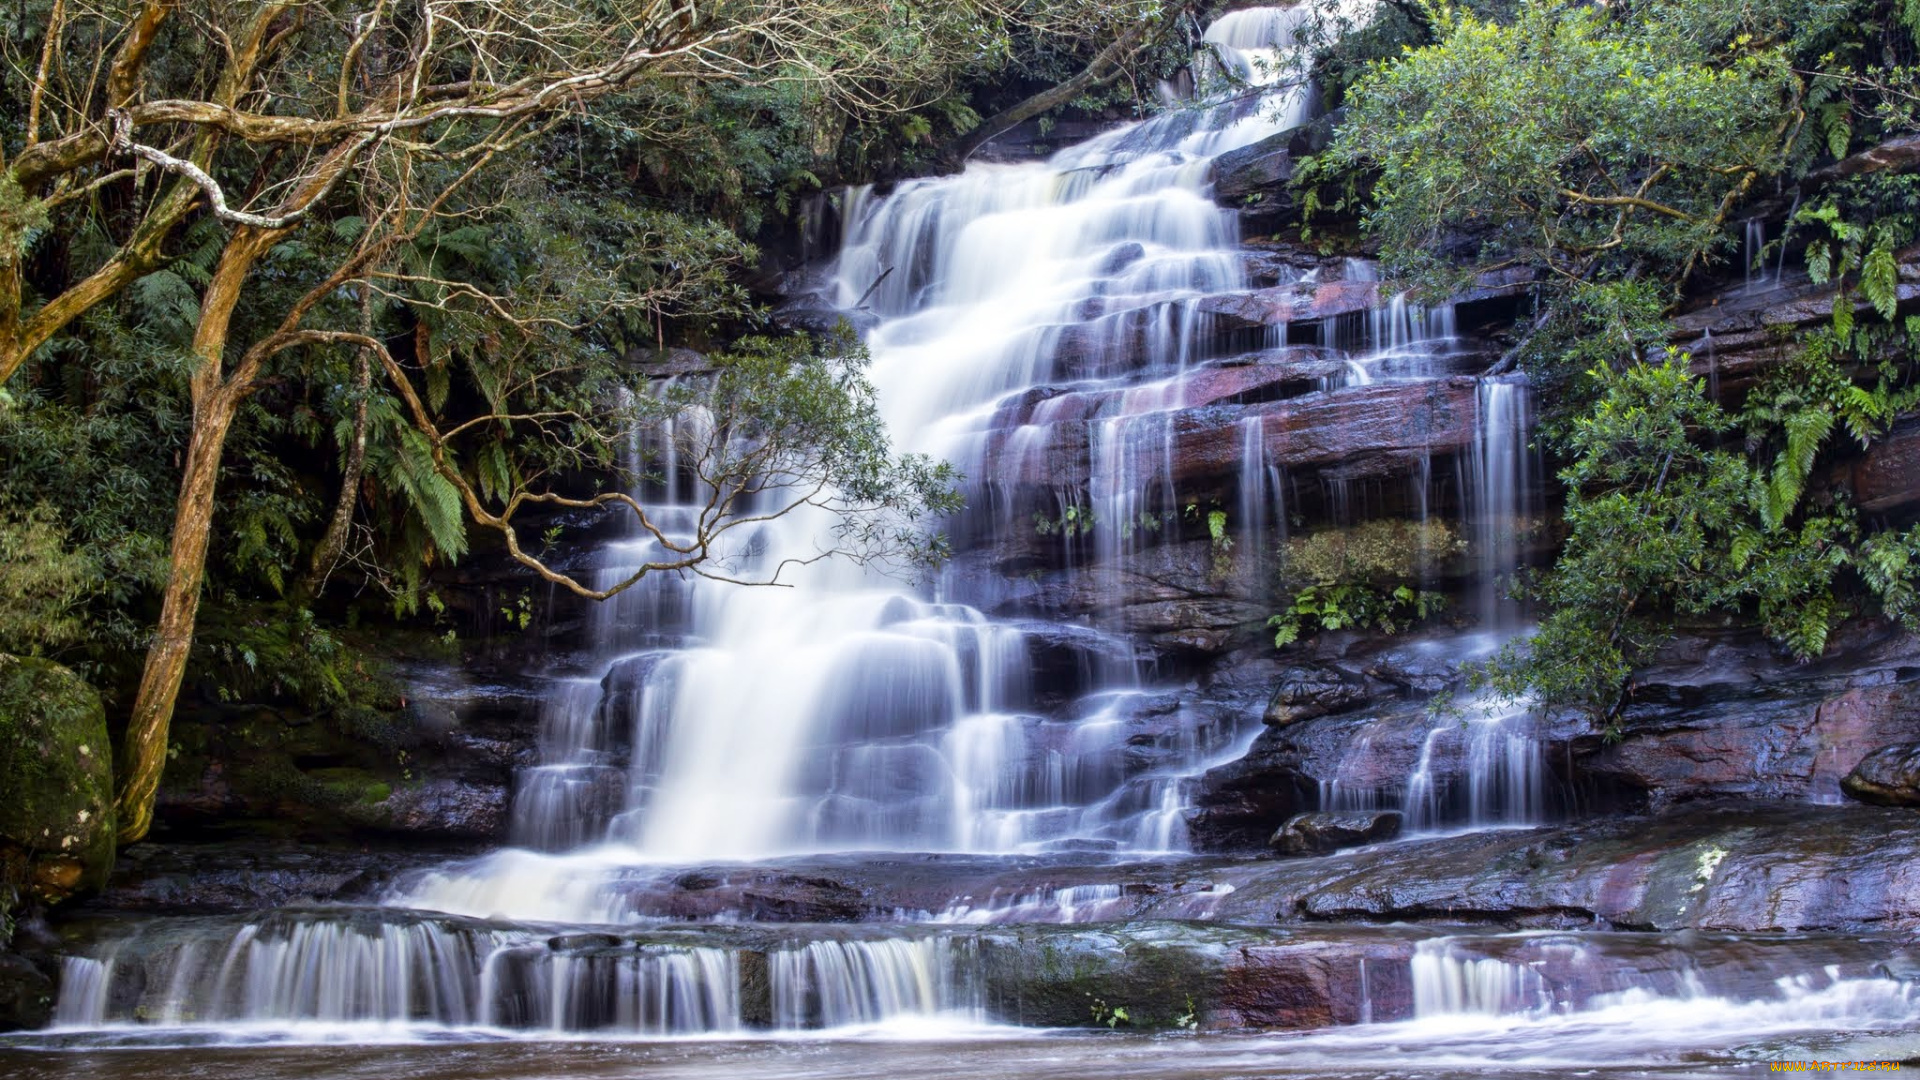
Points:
(1366, 576)
(43, 583)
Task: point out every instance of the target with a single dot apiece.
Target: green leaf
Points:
(1880, 280)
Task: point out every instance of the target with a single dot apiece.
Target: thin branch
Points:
(123, 143)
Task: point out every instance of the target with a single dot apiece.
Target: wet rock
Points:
(1284, 304)
(1417, 668)
(26, 994)
(1762, 734)
(1890, 776)
(234, 876)
(1175, 599)
(824, 321)
(1256, 179)
(1323, 832)
(56, 773)
(1887, 477)
(1237, 805)
(1735, 866)
(1734, 335)
(440, 808)
(1389, 429)
(1306, 692)
(1275, 262)
(1245, 379)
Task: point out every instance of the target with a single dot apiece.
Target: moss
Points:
(349, 785)
(56, 774)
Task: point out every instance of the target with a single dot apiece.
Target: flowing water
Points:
(1057, 330)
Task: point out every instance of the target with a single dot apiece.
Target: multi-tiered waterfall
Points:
(1125, 390)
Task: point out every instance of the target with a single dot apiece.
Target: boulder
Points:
(1890, 776)
(26, 994)
(1257, 179)
(56, 770)
(1329, 831)
(1306, 692)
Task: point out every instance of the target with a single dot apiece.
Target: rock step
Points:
(1785, 867)
(390, 965)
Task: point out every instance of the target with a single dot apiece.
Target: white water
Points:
(852, 712)
(326, 972)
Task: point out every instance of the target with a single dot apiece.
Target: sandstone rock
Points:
(1323, 832)
(1737, 866)
(1767, 736)
(1736, 334)
(1887, 477)
(242, 876)
(442, 807)
(1306, 692)
(1284, 304)
(1890, 776)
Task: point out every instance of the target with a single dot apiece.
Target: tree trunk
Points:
(1102, 69)
(335, 541)
(143, 754)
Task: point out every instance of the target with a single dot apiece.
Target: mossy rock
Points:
(56, 781)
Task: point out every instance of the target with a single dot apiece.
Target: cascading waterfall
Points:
(341, 969)
(849, 712)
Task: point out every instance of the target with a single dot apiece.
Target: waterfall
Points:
(393, 969)
(853, 711)
(1500, 494)
(835, 984)
(1446, 984)
(84, 986)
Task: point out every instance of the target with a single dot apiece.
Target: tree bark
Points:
(216, 399)
(143, 754)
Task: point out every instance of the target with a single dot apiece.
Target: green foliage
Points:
(275, 653)
(1367, 576)
(1570, 138)
(1663, 525)
(1075, 520)
(43, 584)
(1111, 1015)
(798, 418)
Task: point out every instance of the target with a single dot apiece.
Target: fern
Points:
(1807, 430)
(432, 497)
(1880, 280)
